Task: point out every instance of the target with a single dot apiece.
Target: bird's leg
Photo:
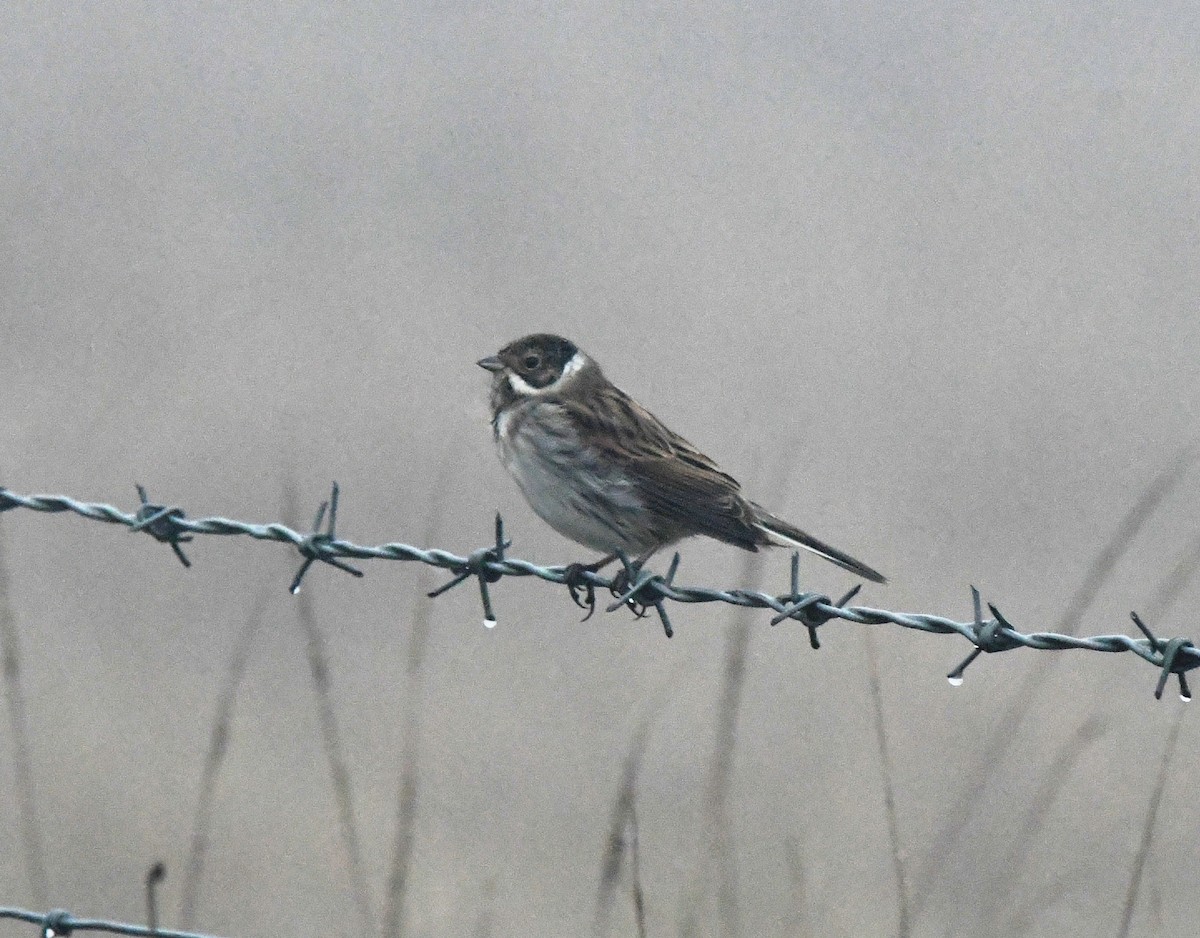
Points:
(621, 581)
(583, 594)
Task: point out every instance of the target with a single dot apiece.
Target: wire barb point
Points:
(1169, 659)
(481, 564)
(57, 922)
(317, 545)
(639, 589)
(160, 522)
(812, 610)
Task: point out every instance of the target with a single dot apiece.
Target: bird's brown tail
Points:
(779, 532)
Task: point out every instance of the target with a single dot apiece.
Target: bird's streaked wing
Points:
(676, 480)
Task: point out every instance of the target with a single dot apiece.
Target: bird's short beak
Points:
(491, 363)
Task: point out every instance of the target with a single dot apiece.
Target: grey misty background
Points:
(924, 278)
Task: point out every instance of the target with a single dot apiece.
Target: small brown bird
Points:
(605, 472)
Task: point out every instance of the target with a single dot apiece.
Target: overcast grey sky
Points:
(924, 277)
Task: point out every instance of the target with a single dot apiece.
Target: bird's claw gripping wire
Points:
(315, 545)
(637, 588)
(583, 592)
(161, 523)
(478, 565)
(582, 589)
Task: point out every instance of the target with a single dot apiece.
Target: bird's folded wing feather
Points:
(675, 479)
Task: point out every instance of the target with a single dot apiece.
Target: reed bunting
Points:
(605, 472)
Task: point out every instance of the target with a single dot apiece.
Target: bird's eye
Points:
(530, 362)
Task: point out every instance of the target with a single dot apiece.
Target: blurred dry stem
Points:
(903, 912)
(623, 843)
(1143, 852)
(214, 758)
(407, 796)
(33, 848)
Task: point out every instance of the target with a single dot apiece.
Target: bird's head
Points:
(537, 364)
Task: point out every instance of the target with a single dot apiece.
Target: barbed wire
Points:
(59, 923)
(635, 586)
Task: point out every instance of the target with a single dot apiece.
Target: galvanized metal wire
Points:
(634, 586)
(59, 922)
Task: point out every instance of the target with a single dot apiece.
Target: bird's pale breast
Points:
(570, 487)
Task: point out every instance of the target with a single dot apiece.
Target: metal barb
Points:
(446, 587)
(1170, 653)
(1144, 629)
(848, 595)
(803, 606)
(956, 675)
(660, 606)
(481, 564)
(334, 493)
(635, 578)
(484, 596)
(802, 601)
(159, 521)
(638, 588)
(992, 636)
(317, 544)
(56, 922)
(1170, 658)
(807, 609)
(979, 637)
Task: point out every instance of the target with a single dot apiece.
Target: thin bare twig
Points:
(214, 759)
(903, 913)
(318, 663)
(406, 808)
(1139, 861)
(14, 696)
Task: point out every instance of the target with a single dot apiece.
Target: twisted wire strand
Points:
(634, 586)
(59, 922)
